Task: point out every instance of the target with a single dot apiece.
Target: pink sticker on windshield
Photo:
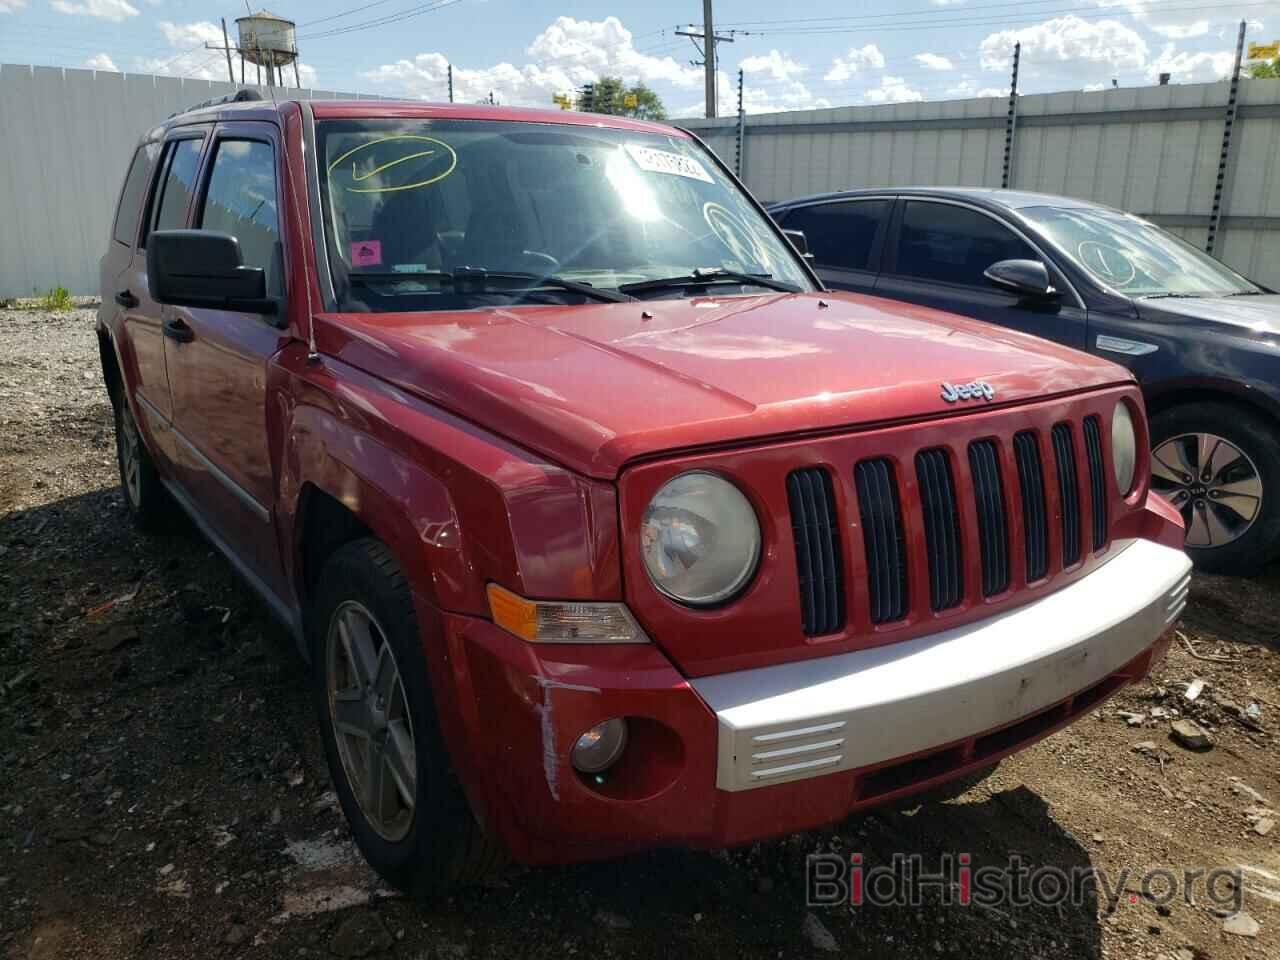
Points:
(366, 253)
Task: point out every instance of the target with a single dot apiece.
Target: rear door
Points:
(845, 238)
(937, 252)
(218, 359)
(168, 202)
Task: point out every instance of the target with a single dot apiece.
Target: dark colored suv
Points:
(1203, 341)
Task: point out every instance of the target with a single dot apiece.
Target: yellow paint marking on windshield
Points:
(357, 177)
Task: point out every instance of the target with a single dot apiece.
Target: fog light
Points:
(600, 747)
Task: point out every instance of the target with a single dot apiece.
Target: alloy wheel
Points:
(372, 726)
(131, 458)
(1213, 483)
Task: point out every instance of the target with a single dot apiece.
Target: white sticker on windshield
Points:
(663, 161)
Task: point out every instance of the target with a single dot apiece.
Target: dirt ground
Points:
(162, 792)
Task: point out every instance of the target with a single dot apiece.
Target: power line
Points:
(397, 17)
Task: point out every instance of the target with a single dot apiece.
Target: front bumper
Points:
(732, 758)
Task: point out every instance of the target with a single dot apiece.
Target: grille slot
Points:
(881, 516)
(1031, 485)
(1064, 456)
(941, 528)
(813, 524)
(993, 532)
(1097, 479)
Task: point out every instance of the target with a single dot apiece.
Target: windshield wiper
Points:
(1175, 296)
(475, 279)
(1244, 293)
(705, 276)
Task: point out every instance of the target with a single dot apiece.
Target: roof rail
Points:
(240, 96)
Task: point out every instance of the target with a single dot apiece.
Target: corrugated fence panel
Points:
(68, 138)
(1150, 150)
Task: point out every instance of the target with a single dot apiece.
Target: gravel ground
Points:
(162, 792)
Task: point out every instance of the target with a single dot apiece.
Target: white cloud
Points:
(772, 84)
(857, 60)
(190, 34)
(113, 10)
(1094, 87)
(1069, 43)
(933, 61)
(966, 89)
(892, 90)
(12, 6)
(101, 61)
(1202, 67)
(777, 66)
(567, 54)
(1182, 31)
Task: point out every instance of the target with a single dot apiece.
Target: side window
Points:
(943, 242)
(241, 200)
(135, 187)
(842, 234)
(179, 181)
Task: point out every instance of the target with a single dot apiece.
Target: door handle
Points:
(126, 299)
(175, 329)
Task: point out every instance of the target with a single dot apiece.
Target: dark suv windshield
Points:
(458, 214)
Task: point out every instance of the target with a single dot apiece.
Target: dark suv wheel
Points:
(390, 768)
(1219, 464)
(148, 501)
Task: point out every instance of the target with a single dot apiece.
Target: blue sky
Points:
(794, 57)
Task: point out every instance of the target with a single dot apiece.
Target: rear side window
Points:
(841, 234)
(179, 181)
(943, 242)
(135, 188)
(241, 201)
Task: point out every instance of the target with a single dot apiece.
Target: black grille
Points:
(814, 526)
(988, 495)
(881, 517)
(1064, 456)
(941, 528)
(1097, 480)
(1031, 485)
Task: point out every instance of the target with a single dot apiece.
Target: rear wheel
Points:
(1220, 466)
(145, 495)
(389, 764)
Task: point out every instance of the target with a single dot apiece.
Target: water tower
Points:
(267, 40)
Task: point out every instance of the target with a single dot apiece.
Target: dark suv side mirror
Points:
(800, 242)
(1029, 278)
(201, 268)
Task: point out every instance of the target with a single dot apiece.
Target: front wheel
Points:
(1219, 464)
(145, 495)
(390, 768)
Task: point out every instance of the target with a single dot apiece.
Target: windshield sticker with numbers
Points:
(663, 161)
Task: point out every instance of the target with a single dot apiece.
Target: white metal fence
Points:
(66, 139)
(1153, 151)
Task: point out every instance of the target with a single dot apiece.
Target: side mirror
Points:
(800, 242)
(201, 268)
(1029, 278)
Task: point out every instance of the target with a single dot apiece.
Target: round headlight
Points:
(1124, 447)
(700, 539)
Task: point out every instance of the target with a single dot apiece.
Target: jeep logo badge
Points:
(978, 390)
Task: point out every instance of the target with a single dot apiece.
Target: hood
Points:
(1249, 315)
(594, 386)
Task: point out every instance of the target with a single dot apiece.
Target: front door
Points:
(844, 238)
(937, 254)
(218, 359)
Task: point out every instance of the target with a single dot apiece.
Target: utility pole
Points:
(742, 129)
(1011, 122)
(451, 83)
(1222, 189)
(226, 48)
(709, 41)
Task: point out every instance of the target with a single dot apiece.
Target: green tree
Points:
(1262, 70)
(611, 95)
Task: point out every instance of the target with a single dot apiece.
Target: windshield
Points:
(1133, 256)
(461, 214)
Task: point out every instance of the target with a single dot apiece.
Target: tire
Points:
(1242, 456)
(421, 837)
(145, 495)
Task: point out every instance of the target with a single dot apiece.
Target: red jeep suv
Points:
(601, 524)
